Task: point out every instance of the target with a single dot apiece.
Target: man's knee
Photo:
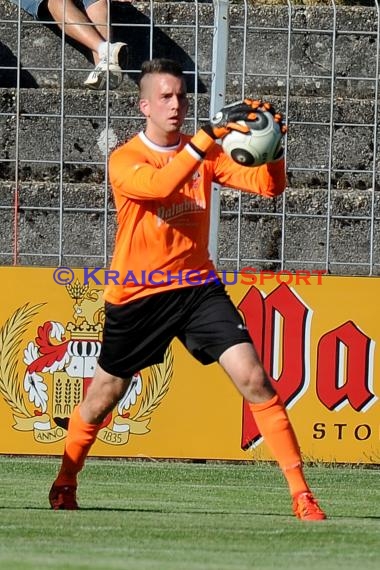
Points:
(257, 384)
(257, 377)
(102, 395)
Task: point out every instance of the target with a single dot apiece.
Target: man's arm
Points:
(268, 180)
(133, 177)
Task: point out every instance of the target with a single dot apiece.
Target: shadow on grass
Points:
(158, 511)
(193, 512)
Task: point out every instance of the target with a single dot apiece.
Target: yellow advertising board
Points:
(318, 337)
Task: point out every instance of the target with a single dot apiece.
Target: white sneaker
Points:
(113, 64)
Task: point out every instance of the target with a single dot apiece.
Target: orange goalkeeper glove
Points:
(226, 119)
(266, 106)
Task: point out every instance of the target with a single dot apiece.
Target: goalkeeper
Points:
(161, 180)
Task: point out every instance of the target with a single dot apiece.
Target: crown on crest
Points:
(88, 312)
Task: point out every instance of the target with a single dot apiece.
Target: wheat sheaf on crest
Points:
(11, 336)
(157, 385)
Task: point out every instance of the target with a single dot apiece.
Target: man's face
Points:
(164, 104)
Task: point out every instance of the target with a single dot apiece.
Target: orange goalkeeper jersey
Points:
(162, 197)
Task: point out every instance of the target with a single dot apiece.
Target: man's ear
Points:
(144, 107)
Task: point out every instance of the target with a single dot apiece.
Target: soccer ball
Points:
(259, 146)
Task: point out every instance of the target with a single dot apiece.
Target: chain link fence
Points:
(318, 64)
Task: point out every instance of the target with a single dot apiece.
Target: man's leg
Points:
(242, 364)
(97, 12)
(78, 25)
(102, 396)
(91, 29)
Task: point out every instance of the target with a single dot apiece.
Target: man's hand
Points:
(226, 119)
(266, 106)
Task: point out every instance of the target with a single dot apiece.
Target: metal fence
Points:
(317, 64)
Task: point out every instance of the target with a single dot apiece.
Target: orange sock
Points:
(273, 423)
(80, 437)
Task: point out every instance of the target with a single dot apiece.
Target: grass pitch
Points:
(183, 516)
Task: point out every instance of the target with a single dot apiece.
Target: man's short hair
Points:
(160, 65)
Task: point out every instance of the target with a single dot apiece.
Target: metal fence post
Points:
(218, 90)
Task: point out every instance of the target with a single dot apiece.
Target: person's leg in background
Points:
(86, 22)
(89, 26)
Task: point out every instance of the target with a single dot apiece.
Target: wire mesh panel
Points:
(317, 64)
(56, 206)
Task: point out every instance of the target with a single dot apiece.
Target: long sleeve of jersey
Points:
(268, 180)
(133, 176)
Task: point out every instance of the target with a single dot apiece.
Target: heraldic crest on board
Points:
(44, 379)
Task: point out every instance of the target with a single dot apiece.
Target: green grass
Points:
(184, 516)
